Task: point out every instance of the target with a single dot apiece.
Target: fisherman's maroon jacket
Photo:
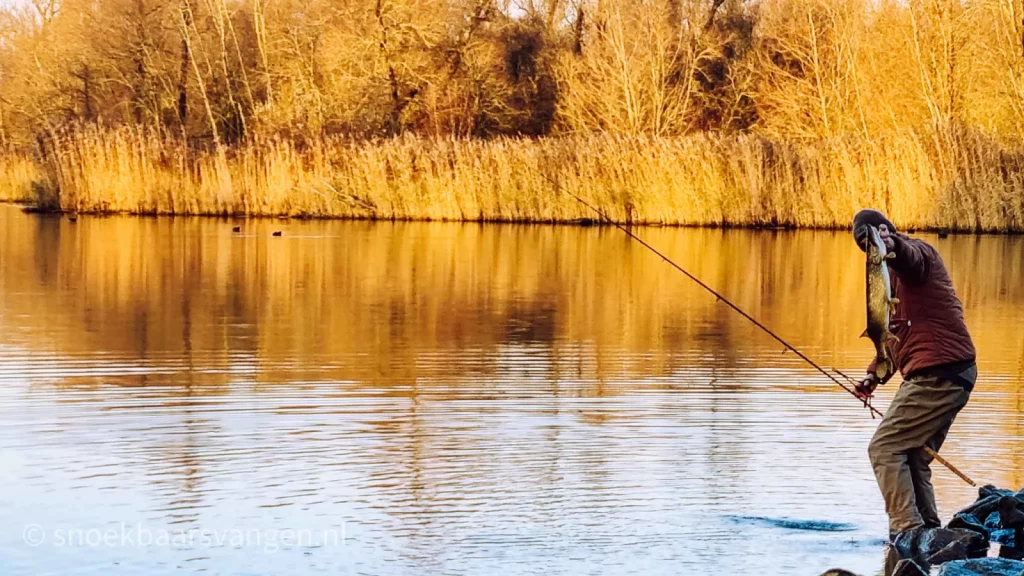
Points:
(929, 319)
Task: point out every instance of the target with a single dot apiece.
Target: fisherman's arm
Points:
(911, 261)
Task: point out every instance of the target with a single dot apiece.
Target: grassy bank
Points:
(961, 182)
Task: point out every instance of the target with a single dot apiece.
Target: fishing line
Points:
(874, 411)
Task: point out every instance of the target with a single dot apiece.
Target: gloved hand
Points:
(861, 233)
(865, 389)
(887, 238)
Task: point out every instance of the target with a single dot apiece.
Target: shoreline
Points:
(29, 208)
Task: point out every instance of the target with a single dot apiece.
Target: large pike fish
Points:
(880, 301)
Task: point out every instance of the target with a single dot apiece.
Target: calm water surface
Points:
(407, 399)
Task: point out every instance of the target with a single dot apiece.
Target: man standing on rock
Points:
(935, 354)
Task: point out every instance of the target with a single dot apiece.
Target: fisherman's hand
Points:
(865, 389)
(860, 235)
(887, 238)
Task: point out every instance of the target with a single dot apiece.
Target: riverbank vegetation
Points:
(19, 172)
(725, 112)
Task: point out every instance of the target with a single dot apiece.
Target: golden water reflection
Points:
(473, 397)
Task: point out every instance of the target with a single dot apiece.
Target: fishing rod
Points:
(720, 298)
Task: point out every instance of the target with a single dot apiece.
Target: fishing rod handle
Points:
(946, 463)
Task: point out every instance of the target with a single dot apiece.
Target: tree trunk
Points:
(577, 42)
(675, 15)
(711, 14)
(141, 79)
(186, 14)
(397, 102)
(87, 93)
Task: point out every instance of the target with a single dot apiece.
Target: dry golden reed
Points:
(964, 181)
(18, 173)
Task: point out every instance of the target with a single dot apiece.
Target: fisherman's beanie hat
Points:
(871, 218)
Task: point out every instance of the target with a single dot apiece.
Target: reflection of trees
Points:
(380, 303)
(46, 240)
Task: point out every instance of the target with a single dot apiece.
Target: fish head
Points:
(876, 249)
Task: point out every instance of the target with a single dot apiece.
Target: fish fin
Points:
(890, 255)
(895, 300)
(889, 336)
(882, 368)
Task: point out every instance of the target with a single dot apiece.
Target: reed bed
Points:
(962, 181)
(19, 176)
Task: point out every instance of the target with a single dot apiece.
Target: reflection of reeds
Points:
(18, 173)
(694, 180)
(386, 303)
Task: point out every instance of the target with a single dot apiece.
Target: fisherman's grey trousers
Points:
(920, 414)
